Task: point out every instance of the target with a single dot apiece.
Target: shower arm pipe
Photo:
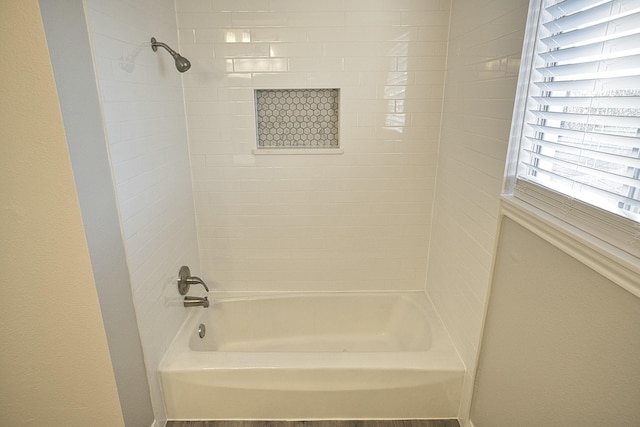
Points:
(155, 44)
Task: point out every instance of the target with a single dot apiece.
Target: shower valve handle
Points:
(185, 280)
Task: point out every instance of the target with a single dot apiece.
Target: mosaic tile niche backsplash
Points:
(297, 118)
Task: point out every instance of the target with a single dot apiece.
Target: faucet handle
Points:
(185, 280)
(195, 280)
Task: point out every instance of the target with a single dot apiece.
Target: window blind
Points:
(580, 142)
(582, 133)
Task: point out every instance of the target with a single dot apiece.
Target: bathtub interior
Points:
(350, 323)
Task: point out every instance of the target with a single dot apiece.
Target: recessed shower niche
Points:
(297, 118)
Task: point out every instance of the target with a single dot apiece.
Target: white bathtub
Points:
(313, 356)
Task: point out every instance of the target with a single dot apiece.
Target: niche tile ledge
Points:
(281, 151)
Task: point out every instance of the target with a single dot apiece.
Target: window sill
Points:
(616, 265)
(270, 151)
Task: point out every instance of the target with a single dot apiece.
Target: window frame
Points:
(615, 230)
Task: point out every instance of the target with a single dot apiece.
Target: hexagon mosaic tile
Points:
(297, 118)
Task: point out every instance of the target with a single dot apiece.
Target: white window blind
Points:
(580, 134)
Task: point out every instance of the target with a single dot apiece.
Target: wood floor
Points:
(328, 423)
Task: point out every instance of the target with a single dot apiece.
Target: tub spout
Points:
(196, 302)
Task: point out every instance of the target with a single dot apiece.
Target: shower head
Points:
(182, 63)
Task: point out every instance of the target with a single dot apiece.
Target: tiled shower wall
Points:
(144, 118)
(353, 221)
(484, 56)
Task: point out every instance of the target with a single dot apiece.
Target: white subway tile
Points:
(188, 20)
(279, 34)
(194, 6)
(201, 51)
(362, 34)
(316, 19)
(278, 80)
(434, 33)
(242, 50)
(296, 50)
(352, 49)
(260, 65)
(422, 63)
(368, 106)
(222, 35)
(297, 64)
(332, 79)
(360, 92)
(241, 5)
(373, 18)
(425, 18)
(373, 63)
(305, 6)
(258, 19)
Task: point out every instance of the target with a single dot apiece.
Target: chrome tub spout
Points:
(196, 302)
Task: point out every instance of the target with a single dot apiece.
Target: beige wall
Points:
(561, 342)
(54, 360)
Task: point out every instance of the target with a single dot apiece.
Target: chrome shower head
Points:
(182, 63)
